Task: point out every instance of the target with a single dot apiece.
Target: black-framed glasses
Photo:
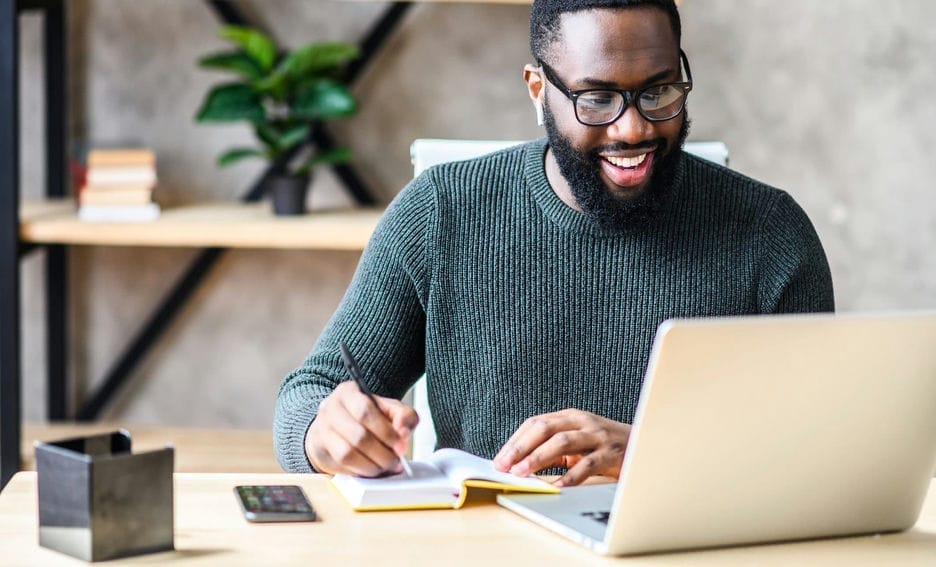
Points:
(597, 107)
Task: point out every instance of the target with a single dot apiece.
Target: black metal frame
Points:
(57, 255)
(56, 271)
(10, 405)
(627, 96)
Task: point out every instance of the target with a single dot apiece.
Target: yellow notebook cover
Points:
(442, 481)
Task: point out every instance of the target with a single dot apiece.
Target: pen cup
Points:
(99, 501)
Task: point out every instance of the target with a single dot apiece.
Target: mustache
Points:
(655, 144)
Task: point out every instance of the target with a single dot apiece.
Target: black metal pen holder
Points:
(99, 501)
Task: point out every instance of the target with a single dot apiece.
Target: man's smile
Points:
(627, 170)
(626, 162)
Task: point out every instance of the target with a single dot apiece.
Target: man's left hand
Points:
(584, 443)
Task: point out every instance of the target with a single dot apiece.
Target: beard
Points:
(581, 170)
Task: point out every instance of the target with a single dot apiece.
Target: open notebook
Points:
(441, 481)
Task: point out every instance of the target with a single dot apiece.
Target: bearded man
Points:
(528, 284)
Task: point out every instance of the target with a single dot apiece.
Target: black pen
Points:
(354, 371)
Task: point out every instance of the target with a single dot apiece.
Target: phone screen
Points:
(275, 503)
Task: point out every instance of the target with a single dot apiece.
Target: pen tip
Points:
(406, 466)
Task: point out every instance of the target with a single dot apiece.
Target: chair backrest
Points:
(426, 152)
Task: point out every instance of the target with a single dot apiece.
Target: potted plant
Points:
(280, 94)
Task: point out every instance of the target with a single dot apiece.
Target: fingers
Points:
(335, 455)
(531, 434)
(351, 435)
(403, 420)
(553, 451)
(585, 443)
(375, 426)
(606, 460)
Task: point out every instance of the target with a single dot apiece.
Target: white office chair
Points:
(426, 152)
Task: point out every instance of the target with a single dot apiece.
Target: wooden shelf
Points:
(226, 225)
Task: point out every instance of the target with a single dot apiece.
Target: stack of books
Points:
(119, 186)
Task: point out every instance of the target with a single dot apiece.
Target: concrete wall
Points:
(827, 100)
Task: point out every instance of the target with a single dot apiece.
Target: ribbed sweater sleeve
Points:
(794, 272)
(381, 318)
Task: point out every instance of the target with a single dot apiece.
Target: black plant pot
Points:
(288, 193)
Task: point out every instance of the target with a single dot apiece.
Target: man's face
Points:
(619, 173)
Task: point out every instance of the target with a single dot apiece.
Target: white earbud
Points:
(539, 112)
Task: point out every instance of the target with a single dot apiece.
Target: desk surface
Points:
(224, 224)
(210, 530)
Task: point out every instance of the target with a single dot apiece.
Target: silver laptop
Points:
(769, 428)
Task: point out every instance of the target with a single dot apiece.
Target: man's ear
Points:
(534, 80)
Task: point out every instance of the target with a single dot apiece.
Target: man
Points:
(528, 284)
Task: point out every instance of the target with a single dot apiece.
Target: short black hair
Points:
(544, 18)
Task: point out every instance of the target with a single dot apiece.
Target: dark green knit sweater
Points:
(513, 304)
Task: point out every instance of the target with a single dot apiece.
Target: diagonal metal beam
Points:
(227, 12)
(157, 324)
(376, 37)
(370, 47)
(322, 138)
(153, 329)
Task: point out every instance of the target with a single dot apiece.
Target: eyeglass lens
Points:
(655, 103)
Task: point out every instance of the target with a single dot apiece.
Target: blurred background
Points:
(826, 100)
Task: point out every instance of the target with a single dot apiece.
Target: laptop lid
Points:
(769, 428)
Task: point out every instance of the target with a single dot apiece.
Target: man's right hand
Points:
(352, 436)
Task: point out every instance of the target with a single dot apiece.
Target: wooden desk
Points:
(210, 530)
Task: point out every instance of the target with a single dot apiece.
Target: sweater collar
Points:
(565, 216)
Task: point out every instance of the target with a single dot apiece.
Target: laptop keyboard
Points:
(598, 516)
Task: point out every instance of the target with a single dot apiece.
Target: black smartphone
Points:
(275, 503)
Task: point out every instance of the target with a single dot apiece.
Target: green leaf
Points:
(229, 103)
(323, 98)
(234, 61)
(317, 58)
(293, 136)
(339, 155)
(273, 84)
(268, 134)
(237, 154)
(282, 138)
(258, 46)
